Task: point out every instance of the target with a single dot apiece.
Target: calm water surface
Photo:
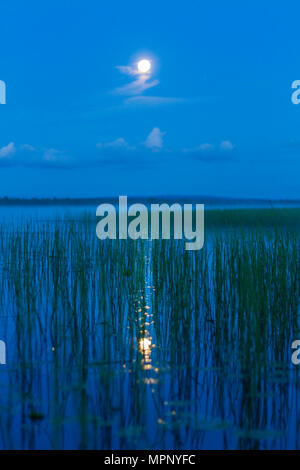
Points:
(97, 357)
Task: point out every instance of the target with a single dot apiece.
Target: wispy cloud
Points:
(28, 156)
(154, 140)
(127, 70)
(115, 144)
(226, 145)
(116, 153)
(51, 155)
(141, 82)
(137, 87)
(152, 101)
(208, 152)
(28, 147)
(8, 150)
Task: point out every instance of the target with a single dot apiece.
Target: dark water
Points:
(129, 346)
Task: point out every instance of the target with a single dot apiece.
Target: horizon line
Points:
(8, 200)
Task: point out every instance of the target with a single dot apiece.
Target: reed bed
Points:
(140, 344)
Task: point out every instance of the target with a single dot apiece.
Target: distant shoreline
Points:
(210, 200)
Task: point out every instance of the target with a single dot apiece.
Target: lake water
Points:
(48, 211)
(144, 345)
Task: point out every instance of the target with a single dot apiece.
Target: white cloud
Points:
(128, 70)
(208, 152)
(28, 147)
(154, 140)
(205, 147)
(8, 150)
(119, 143)
(137, 87)
(53, 155)
(152, 100)
(140, 83)
(226, 145)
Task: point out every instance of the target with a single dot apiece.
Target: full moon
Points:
(144, 66)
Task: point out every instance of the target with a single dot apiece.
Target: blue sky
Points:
(214, 116)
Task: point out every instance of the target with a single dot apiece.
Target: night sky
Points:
(213, 117)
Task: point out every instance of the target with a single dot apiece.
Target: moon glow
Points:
(144, 66)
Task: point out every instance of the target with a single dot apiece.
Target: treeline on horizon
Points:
(7, 201)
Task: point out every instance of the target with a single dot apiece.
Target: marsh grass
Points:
(215, 326)
(282, 219)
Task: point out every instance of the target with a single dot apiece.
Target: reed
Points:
(134, 344)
